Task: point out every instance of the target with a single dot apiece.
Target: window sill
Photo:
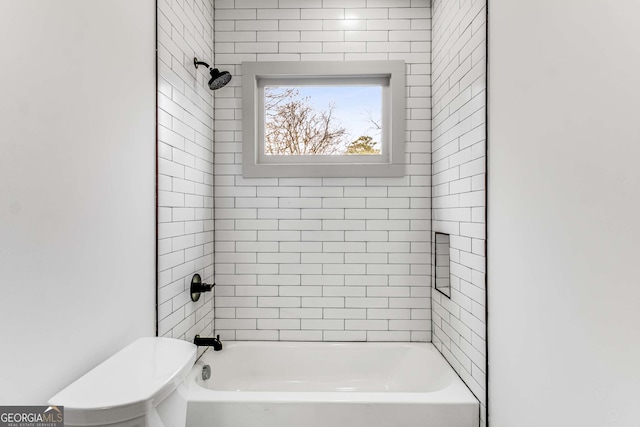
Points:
(315, 170)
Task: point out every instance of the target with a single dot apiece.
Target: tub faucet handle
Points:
(197, 287)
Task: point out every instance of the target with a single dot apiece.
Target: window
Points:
(323, 119)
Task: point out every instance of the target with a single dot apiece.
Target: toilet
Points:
(140, 386)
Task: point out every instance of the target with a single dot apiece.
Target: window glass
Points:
(323, 120)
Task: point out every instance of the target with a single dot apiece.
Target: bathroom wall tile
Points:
(185, 167)
(256, 335)
(236, 323)
(300, 313)
(367, 325)
(458, 106)
(322, 324)
(348, 336)
(388, 336)
(335, 250)
(302, 335)
(279, 324)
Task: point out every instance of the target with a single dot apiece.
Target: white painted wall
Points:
(77, 177)
(564, 213)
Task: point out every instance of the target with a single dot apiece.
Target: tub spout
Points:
(208, 342)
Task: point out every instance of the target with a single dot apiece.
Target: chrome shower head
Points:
(218, 78)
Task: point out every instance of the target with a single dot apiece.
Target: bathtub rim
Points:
(456, 393)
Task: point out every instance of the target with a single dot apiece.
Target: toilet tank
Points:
(128, 388)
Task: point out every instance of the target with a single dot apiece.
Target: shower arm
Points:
(196, 63)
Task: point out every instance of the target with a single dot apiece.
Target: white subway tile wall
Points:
(185, 167)
(323, 259)
(459, 159)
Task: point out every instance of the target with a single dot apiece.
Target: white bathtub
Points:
(284, 384)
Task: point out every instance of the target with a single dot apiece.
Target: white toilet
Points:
(140, 386)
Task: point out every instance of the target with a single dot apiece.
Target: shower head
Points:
(218, 78)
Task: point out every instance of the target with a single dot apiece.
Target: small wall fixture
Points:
(442, 270)
(218, 78)
(197, 287)
(208, 342)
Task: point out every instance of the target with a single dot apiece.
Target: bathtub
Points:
(285, 384)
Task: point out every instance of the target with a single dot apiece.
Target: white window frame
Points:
(388, 74)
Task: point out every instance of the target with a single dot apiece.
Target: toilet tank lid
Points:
(131, 381)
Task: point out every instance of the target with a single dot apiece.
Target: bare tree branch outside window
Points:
(293, 126)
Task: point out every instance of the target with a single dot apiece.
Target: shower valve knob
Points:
(197, 287)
